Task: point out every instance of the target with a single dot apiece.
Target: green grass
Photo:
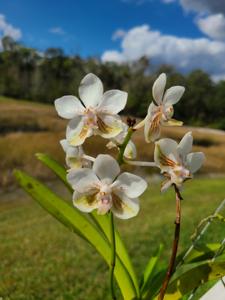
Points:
(40, 259)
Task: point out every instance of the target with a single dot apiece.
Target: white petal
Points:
(158, 88)
(68, 107)
(172, 122)
(64, 143)
(84, 202)
(75, 151)
(129, 184)
(109, 126)
(111, 145)
(165, 185)
(106, 167)
(75, 163)
(83, 180)
(152, 127)
(77, 132)
(165, 154)
(74, 157)
(125, 208)
(113, 102)
(185, 145)
(121, 136)
(71, 151)
(152, 109)
(91, 90)
(139, 125)
(195, 161)
(130, 151)
(173, 95)
(168, 147)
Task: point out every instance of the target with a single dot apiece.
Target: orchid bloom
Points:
(75, 157)
(130, 150)
(97, 114)
(101, 188)
(161, 110)
(175, 160)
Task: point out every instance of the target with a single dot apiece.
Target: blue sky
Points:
(87, 27)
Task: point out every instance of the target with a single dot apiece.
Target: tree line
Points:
(27, 74)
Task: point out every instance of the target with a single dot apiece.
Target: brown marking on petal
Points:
(103, 127)
(83, 132)
(164, 160)
(155, 123)
(91, 198)
(117, 203)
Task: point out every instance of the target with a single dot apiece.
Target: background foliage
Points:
(27, 74)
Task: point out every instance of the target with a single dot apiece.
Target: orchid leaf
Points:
(57, 168)
(149, 271)
(200, 253)
(190, 276)
(195, 255)
(78, 223)
(102, 221)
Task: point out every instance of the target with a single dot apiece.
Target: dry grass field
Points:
(27, 128)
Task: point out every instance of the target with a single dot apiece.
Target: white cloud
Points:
(213, 26)
(118, 34)
(113, 56)
(184, 53)
(57, 30)
(7, 29)
(204, 6)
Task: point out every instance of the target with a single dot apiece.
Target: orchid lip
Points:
(90, 117)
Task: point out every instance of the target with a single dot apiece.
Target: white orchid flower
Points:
(161, 110)
(97, 114)
(75, 156)
(130, 150)
(175, 160)
(101, 188)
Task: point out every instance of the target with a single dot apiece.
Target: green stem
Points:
(113, 255)
(120, 160)
(124, 145)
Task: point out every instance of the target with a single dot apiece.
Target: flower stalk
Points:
(140, 163)
(113, 255)
(175, 244)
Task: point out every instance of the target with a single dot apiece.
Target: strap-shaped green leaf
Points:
(149, 272)
(102, 221)
(200, 253)
(52, 164)
(77, 223)
(191, 276)
(196, 255)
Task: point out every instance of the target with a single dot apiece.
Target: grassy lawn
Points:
(40, 259)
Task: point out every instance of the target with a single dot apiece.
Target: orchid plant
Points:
(101, 191)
